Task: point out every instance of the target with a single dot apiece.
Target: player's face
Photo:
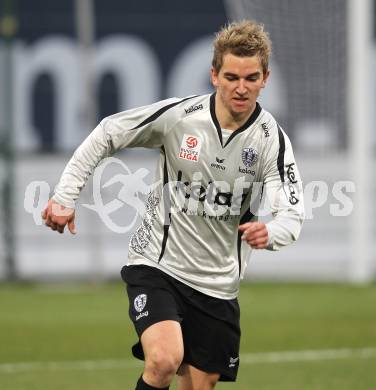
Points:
(239, 83)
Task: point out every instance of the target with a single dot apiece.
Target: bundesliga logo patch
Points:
(190, 148)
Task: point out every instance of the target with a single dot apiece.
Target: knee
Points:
(162, 364)
(207, 383)
(212, 380)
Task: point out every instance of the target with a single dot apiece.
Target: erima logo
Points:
(193, 108)
(218, 163)
(266, 129)
(233, 362)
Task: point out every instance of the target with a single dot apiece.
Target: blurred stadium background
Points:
(65, 65)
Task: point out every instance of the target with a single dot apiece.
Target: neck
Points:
(230, 120)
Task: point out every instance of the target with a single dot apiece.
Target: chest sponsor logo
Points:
(249, 156)
(213, 199)
(190, 148)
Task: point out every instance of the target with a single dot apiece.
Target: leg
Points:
(211, 335)
(163, 348)
(156, 316)
(191, 378)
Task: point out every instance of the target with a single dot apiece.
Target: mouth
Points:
(240, 101)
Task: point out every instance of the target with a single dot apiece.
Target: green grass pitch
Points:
(78, 337)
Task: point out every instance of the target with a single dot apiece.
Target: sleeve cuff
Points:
(270, 245)
(63, 202)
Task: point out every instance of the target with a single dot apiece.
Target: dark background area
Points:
(167, 26)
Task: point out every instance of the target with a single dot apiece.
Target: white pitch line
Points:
(86, 365)
(307, 355)
(248, 358)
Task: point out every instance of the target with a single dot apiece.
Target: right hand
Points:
(57, 217)
(255, 234)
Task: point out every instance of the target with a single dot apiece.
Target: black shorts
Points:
(210, 326)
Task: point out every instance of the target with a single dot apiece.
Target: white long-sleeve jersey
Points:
(210, 184)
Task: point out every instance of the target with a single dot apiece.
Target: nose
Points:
(241, 89)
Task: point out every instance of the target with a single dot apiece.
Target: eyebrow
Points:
(248, 75)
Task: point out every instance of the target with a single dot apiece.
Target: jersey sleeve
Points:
(140, 127)
(284, 191)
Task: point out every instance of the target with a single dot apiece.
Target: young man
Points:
(189, 254)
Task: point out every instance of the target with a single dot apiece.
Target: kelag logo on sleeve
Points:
(190, 148)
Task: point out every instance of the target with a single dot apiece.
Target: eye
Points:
(253, 77)
(230, 77)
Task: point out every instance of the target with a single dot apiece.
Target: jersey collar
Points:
(248, 123)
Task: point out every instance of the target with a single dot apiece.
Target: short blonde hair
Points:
(244, 38)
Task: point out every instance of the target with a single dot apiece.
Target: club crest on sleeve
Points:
(249, 156)
(140, 302)
(190, 148)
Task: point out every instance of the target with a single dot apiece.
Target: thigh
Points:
(191, 378)
(163, 338)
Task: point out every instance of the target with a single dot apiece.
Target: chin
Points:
(241, 110)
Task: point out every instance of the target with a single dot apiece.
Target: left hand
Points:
(255, 234)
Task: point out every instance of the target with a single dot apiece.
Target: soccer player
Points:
(218, 154)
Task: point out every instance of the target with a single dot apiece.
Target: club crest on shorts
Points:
(140, 302)
(249, 156)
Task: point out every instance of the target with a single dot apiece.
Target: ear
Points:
(214, 77)
(265, 77)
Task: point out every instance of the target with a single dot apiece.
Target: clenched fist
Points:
(57, 217)
(255, 234)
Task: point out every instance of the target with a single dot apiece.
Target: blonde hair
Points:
(244, 38)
